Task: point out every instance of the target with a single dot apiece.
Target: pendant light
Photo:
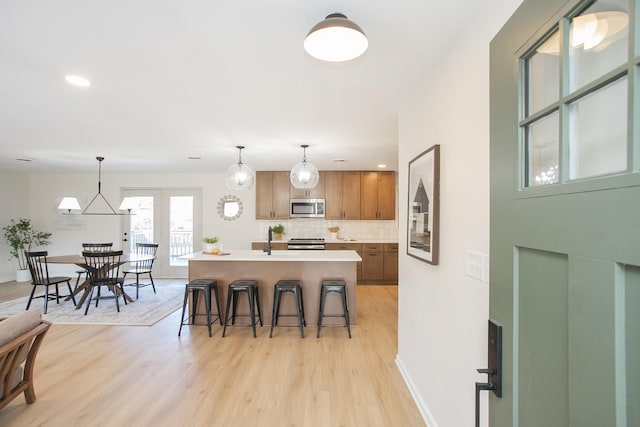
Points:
(240, 176)
(336, 39)
(71, 203)
(304, 175)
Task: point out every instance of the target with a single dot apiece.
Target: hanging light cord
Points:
(84, 212)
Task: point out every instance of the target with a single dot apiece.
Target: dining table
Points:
(84, 288)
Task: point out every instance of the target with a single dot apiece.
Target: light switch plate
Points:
(474, 265)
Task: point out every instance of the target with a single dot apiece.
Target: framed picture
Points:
(423, 201)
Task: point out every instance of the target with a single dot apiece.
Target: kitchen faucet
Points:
(269, 237)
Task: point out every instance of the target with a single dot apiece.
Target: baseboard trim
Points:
(422, 406)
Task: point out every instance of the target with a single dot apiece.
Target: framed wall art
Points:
(423, 203)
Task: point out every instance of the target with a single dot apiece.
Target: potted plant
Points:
(21, 237)
(278, 231)
(210, 243)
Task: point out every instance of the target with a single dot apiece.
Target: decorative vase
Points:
(23, 276)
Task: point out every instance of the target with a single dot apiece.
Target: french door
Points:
(170, 217)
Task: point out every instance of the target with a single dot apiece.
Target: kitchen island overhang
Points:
(310, 267)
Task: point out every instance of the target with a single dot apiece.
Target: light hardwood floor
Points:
(147, 376)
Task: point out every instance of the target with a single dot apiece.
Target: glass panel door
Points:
(169, 217)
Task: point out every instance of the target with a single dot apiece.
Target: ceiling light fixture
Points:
(71, 203)
(240, 176)
(304, 175)
(336, 39)
(78, 81)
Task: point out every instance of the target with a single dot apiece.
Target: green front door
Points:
(565, 214)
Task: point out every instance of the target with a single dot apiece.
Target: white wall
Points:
(442, 312)
(14, 192)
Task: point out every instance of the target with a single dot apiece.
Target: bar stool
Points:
(235, 288)
(340, 287)
(195, 287)
(295, 287)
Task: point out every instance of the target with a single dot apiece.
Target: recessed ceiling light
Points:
(77, 81)
(25, 159)
(338, 160)
(194, 157)
(382, 166)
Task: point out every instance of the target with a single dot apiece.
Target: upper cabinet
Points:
(272, 195)
(317, 192)
(342, 195)
(378, 195)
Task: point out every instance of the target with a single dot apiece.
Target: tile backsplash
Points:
(310, 227)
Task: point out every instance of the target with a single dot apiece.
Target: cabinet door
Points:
(351, 195)
(317, 192)
(391, 267)
(369, 195)
(372, 266)
(386, 195)
(264, 195)
(280, 194)
(333, 195)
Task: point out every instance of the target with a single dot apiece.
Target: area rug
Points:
(145, 311)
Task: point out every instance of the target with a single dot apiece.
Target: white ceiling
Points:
(172, 79)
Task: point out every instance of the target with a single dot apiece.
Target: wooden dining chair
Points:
(91, 247)
(142, 267)
(103, 269)
(39, 269)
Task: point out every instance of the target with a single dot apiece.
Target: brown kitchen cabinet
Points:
(378, 195)
(317, 192)
(342, 195)
(276, 246)
(390, 263)
(272, 195)
(372, 262)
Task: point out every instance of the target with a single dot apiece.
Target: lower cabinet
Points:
(379, 264)
(277, 246)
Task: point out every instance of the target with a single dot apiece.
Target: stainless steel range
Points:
(306, 244)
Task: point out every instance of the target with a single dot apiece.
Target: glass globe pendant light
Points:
(240, 176)
(304, 175)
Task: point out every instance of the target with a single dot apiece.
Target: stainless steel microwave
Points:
(306, 208)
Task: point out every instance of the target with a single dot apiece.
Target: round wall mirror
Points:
(229, 207)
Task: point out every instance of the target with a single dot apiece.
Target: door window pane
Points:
(543, 151)
(142, 222)
(598, 41)
(181, 228)
(598, 132)
(543, 71)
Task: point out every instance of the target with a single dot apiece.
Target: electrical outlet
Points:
(474, 265)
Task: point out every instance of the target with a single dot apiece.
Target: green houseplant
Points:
(210, 243)
(21, 237)
(278, 231)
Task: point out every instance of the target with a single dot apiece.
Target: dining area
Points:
(103, 274)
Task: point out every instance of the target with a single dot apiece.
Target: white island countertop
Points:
(279, 255)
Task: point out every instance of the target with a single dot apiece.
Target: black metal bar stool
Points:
(340, 287)
(195, 287)
(295, 287)
(235, 288)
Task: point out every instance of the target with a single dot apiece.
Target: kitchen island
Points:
(310, 267)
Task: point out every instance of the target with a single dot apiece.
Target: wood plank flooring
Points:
(148, 376)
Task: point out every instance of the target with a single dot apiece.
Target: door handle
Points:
(494, 369)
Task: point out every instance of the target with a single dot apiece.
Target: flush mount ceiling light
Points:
(336, 39)
(78, 81)
(240, 176)
(71, 203)
(304, 175)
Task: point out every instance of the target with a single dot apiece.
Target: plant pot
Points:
(277, 236)
(23, 276)
(209, 247)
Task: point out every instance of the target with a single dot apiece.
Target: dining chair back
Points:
(144, 266)
(103, 269)
(92, 247)
(39, 269)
